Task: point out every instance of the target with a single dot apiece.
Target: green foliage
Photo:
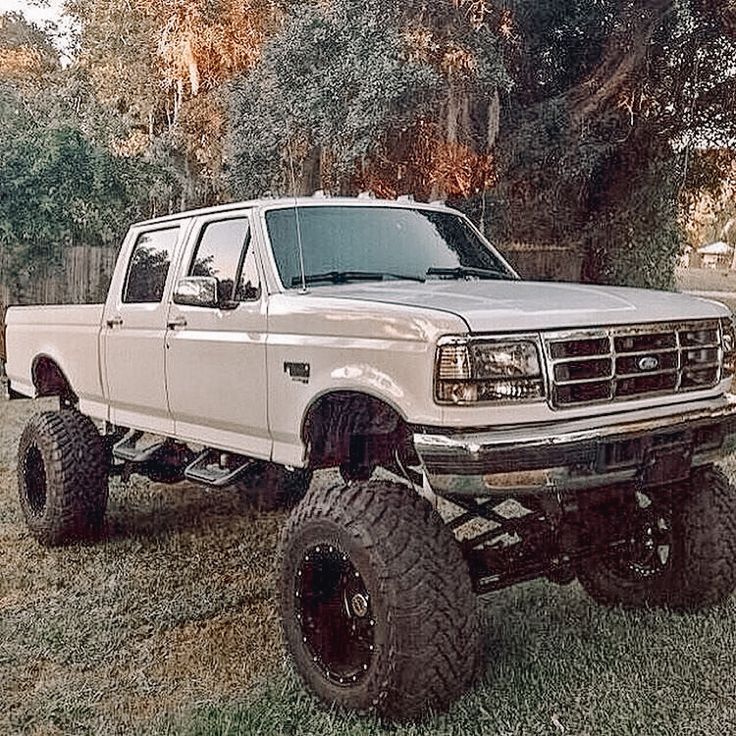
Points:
(341, 81)
(333, 79)
(61, 189)
(611, 95)
(116, 43)
(603, 105)
(603, 99)
(561, 42)
(61, 183)
(635, 240)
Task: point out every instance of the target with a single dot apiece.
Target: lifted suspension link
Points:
(508, 541)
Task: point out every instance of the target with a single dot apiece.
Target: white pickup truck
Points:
(518, 430)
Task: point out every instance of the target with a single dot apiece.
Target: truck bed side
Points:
(69, 335)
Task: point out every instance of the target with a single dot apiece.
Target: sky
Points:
(40, 13)
(36, 12)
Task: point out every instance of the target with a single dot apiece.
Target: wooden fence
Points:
(545, 262)
(82, 278)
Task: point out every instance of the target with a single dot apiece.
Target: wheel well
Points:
(352, 427)
(49, 379)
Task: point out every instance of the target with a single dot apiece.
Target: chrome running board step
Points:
(211, 468)
(129, 449)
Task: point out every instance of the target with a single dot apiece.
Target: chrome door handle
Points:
(172, 324)
(115, 321)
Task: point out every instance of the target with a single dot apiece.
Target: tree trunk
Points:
(309, 180)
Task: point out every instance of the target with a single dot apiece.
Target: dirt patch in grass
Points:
(194, 650)
(174, 607)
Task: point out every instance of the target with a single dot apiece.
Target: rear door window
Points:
(149, 266)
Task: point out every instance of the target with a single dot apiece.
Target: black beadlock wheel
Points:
(376, 601)
(334, 609)
(62, 477)
(683, 551)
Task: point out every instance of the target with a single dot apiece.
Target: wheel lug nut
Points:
(359, 604)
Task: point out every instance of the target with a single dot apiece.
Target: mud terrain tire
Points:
(62, 477)
(701, 567)
(404, 605)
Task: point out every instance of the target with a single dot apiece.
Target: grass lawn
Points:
(169, 627)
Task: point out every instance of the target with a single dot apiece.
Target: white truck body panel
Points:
(133, 352)
(222, 380)
(386, 352)
(221, 348)
(528, 306)
(69, 335)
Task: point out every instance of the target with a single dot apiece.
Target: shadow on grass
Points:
(557, 664)
(142, 510)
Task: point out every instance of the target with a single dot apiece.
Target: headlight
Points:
(470, 371)
(728, 344)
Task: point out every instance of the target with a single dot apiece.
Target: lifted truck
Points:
(523, 430)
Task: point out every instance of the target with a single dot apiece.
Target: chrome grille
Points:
(618, 363)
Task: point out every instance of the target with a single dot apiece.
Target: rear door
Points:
(134, 329)
(215, 357)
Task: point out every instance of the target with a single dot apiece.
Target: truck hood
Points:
(510, 306)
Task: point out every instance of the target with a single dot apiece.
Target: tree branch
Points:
(625, 53)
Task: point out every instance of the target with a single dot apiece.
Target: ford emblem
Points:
(648, 363)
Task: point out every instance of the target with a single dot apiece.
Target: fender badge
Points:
(297, 371)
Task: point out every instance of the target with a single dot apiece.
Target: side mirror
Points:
(197, 291)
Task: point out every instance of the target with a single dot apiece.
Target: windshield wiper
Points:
(342, 277)
(461, 272)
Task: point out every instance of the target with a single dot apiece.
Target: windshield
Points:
(375, 242)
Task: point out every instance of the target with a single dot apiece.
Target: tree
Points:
(60, 187)
(591, 123)
(566, 122)
(599, 147)
(380, 95)
(161, 64)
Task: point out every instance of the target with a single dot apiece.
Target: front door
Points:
(216, 356)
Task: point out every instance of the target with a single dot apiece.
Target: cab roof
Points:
(317, 199)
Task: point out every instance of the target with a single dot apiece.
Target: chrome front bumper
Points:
(574, 454)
